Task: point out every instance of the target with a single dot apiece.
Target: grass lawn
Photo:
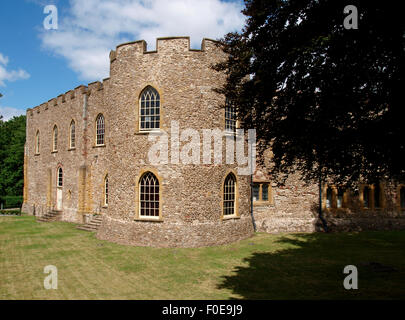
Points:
(287, 266)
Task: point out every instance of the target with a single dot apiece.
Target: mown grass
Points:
(287, 266)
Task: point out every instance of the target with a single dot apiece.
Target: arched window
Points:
(60, 177)
(366, 197)
(37, 143)
(55, 138)
(72, 134)
(106, 190)
(402, 197)
(149, 195)
(149, 111)
(230, 116)
(377, 195)
(229, 195)
(329, 197)
(100, 130)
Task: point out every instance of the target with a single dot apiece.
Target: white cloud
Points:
(94, 27)
(3, 59)
(10, 75)
(8, 112)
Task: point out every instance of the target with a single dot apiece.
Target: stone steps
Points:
(52, 215)
(92, 225)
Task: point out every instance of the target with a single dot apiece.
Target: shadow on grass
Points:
(310, 266)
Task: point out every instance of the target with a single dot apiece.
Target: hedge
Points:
(9, 202)
(10, 213)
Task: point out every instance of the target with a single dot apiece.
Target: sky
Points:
(38, 61)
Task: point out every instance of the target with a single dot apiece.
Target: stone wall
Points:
(191, 193)
(82, 105)
(295, 208)
(191, 202)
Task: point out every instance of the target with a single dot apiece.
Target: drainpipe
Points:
(251, 186)
(320, 214)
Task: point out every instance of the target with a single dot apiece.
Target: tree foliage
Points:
(12, 140)
(326, 99)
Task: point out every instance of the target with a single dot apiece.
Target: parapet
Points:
(165, 45)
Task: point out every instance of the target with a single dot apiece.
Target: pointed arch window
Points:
(106, 190)
(229, 205)
(60, 177)
(149, 111)
(230, 116)
(55, 139)
(100, 130)
(72, 134)
(149, 196)
(37, 143)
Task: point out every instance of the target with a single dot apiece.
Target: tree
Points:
(12, 140)
(1, 117)
(326, 99)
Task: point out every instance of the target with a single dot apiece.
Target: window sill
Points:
(104, 207)
(56, 151)
(262, 203)
(37, 154)
(230, 217)
(148, 219)
(99, 146)
(144, 132)
(71, 149)
(234, 134)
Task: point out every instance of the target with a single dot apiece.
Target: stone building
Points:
(87, 153)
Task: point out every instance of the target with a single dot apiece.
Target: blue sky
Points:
(37, 65)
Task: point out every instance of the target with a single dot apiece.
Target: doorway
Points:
(59, 190)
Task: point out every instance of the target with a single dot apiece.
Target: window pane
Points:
(340, 198)
(106, 190)
(328, 197)
(100, 129)
(150, 106)
(366, 197)
(149, 195)
(256, 188)
(265, 192)
(60, 177)
(229, 195)
(230, 116)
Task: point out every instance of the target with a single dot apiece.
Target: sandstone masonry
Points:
(72, 180)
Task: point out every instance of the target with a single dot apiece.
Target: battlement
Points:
(164, 45)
